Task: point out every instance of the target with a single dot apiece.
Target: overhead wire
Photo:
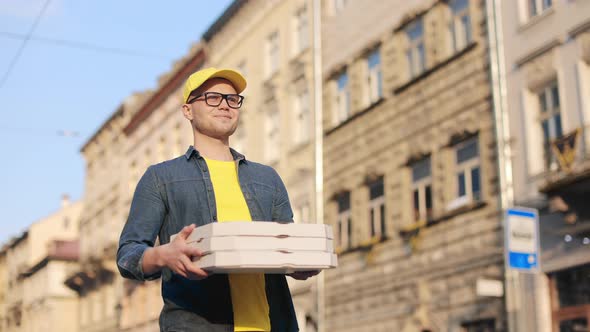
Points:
(26, 39)
(83, 45)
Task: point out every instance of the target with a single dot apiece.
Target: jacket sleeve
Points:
(145, 219)
(281, 207)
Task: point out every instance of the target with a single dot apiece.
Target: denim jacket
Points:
(177, 193)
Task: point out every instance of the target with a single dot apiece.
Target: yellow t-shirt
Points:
(248, 292)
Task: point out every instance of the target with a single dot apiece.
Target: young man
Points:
(210, 183)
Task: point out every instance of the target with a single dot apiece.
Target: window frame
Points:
(416, 50)
(374, 77)
(342, 109)
(535, 8)
(420, 185)
(302, 117)
(376, 210)
(458, 27)
(466, 169)
(550, 114)
(301, 30)
(343, 221)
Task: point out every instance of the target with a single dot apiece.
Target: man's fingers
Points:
(192, 270)
(180, 270)
(193, 252)
(186, 231)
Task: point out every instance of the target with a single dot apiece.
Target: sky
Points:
(81, 60)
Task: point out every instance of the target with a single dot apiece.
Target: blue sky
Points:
(53, 88)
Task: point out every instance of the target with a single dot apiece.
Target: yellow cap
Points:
(198, 78)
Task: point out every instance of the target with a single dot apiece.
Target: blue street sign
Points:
(522, 239)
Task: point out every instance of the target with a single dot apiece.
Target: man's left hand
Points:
(303, 275)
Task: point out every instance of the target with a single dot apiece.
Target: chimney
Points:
(65, 200)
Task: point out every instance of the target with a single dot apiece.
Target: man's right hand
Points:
(177, 256)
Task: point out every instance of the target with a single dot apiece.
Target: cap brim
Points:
(237, 80)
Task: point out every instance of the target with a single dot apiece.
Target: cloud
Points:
(29, 8)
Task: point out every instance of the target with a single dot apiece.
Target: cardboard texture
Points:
(263, 247)
(224, 243)
(266, 261)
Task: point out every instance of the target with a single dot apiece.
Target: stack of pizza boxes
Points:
(266, 247)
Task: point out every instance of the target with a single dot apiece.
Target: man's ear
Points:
(187, 112)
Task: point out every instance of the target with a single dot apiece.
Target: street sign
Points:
(522, 239)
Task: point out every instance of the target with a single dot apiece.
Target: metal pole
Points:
(506, 192)
(319, 134)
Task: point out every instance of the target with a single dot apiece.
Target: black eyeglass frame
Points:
(223, 96)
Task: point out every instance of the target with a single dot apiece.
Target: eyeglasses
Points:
(215, 98)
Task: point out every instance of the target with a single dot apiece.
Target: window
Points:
(416, 53)
(374, 79)
(66, 222)
(422, 190)
(301, 30)
(550, 119)
(302, 118)
(460, 26)
(272, 136)
(468, 171)
(537, 7)
(483, 325)
(377, 208)
(342, 110)
(272, 48)
(343, 222)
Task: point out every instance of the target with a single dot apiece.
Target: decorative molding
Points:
(537, 52)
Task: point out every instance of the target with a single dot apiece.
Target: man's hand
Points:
(303, 275)
(177, 256)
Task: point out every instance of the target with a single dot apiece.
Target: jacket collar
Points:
(191, 150)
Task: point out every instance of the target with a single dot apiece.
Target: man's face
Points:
(218, 122)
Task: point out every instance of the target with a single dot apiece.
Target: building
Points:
(97, 280)
(35, 264)
(410, 173)
(271, 43)
(547, 79)
(156, 131)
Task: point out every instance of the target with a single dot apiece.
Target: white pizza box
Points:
(277, 262)
(224, 243)
(273, 229)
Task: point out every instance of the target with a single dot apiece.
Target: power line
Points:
(83, 45)
(24, 43)
(38, 131)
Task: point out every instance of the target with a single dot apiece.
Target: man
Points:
(210, 183)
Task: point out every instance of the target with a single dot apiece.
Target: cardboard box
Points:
(282, 262)
(265, 228)
(263, 247)
(224, 243)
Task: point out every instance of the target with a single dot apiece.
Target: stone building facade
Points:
(547, 79)
(107, 186)
(410, 167)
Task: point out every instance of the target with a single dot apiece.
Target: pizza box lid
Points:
(248, 228)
